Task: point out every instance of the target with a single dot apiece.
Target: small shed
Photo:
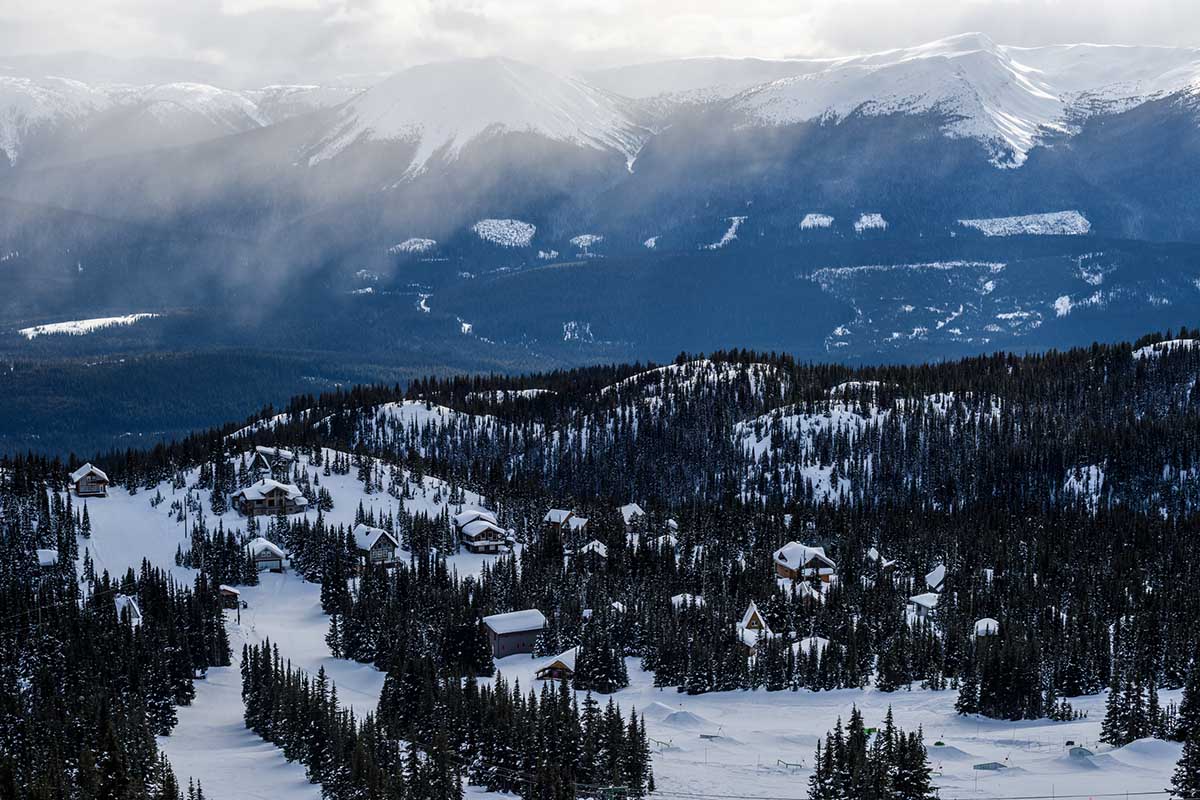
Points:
(89, 481)
(514, 632)
(230, 597)
(266, 554)
(47, 558)
(561, 667)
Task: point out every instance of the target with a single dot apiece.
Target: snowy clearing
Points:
(82, 327)
(1057, 223)
(505, 232)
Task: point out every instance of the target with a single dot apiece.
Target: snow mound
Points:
(82, 327)
(814, 221)
(413, 245)
(870, 222)
(505, 232)
(686, 719)
(1056, 223)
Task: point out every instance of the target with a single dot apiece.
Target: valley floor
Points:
(745, 744)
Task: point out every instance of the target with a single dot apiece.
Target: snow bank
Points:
(1057, 223)
(82, 327)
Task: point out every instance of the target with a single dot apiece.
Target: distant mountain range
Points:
(954, 197)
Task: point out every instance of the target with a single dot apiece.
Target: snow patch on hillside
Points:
(870, 222)
(585, 241)
(82, 327)
(576, 331)
(729, 235)
(505, 232)
(1159, 348)
(651, 243)
(1057, 223)
(413, 245)
(814, 221)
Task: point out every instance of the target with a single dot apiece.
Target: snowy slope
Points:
(30, 107)
(443, 107)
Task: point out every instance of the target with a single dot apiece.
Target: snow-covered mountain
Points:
(441, 108)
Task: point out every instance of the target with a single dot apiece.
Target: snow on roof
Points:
(260, 490)
(471, 514)
(752, 612)
(566, 659)
(801, 588)
(529, 619)
(987, 627)
(123, 602)
(666, 540)
(227, 588)
(795, 555)
(557, 516)
(47, 558)
(84, 470)
(366, 537)
(806, 646)
(874, 555)
(618, 606)
(278, 452)
(752, 636)
(575, 523)
(927, 600)
(595, 546)
(936, 577)
(685, 599)
(631, 511)
(672, 525)
(479, 527)
(259, 545)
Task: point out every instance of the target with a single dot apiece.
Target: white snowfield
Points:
(505, 232)
(441, 108)
(814, 221)
(414, 245)
(727, 743)
(870, 222)
(82, 327)
(1056, 223)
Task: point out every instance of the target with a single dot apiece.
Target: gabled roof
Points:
(936, 577)
(684, 599)
(275, 452)
(595, 546)
(874, 555)
(480, 527)
(366, 537)
(471, 514)
(227, 588)
(927, 600)
(84, 470)
(630, 512)
(529, 619)
(557, 516)
(564, 659)
(575, 523)
(260, 545)
(795, 555)
(987, 627)
(751, 614)
(47, 558)
(260, 490)
(752, 636)
(806, 646)
(124, 602)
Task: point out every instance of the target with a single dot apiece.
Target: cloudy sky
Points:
(251, 41)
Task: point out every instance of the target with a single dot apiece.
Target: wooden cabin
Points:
(559, 518)
(270, 497)
(229, 596)
(514, 632)
(797, 561)
(561, 667)
(89, 481)
(266, 554)
(375, 545)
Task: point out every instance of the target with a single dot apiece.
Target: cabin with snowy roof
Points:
(272, 462)
(593, 555)
(514, 632)
(266, 554)
(561, 667)
(753, 629)
(922, 605)
(89, 481)
(797, 561)
(230, 597)
(886, 565)
(269, 496)
(935, 579)
(479, 532)
(633, 515)
(374, 545)
(47, 558)
(127, 608)
(559, 518)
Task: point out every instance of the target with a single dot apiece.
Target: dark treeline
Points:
(433, 731)
(888, 765)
